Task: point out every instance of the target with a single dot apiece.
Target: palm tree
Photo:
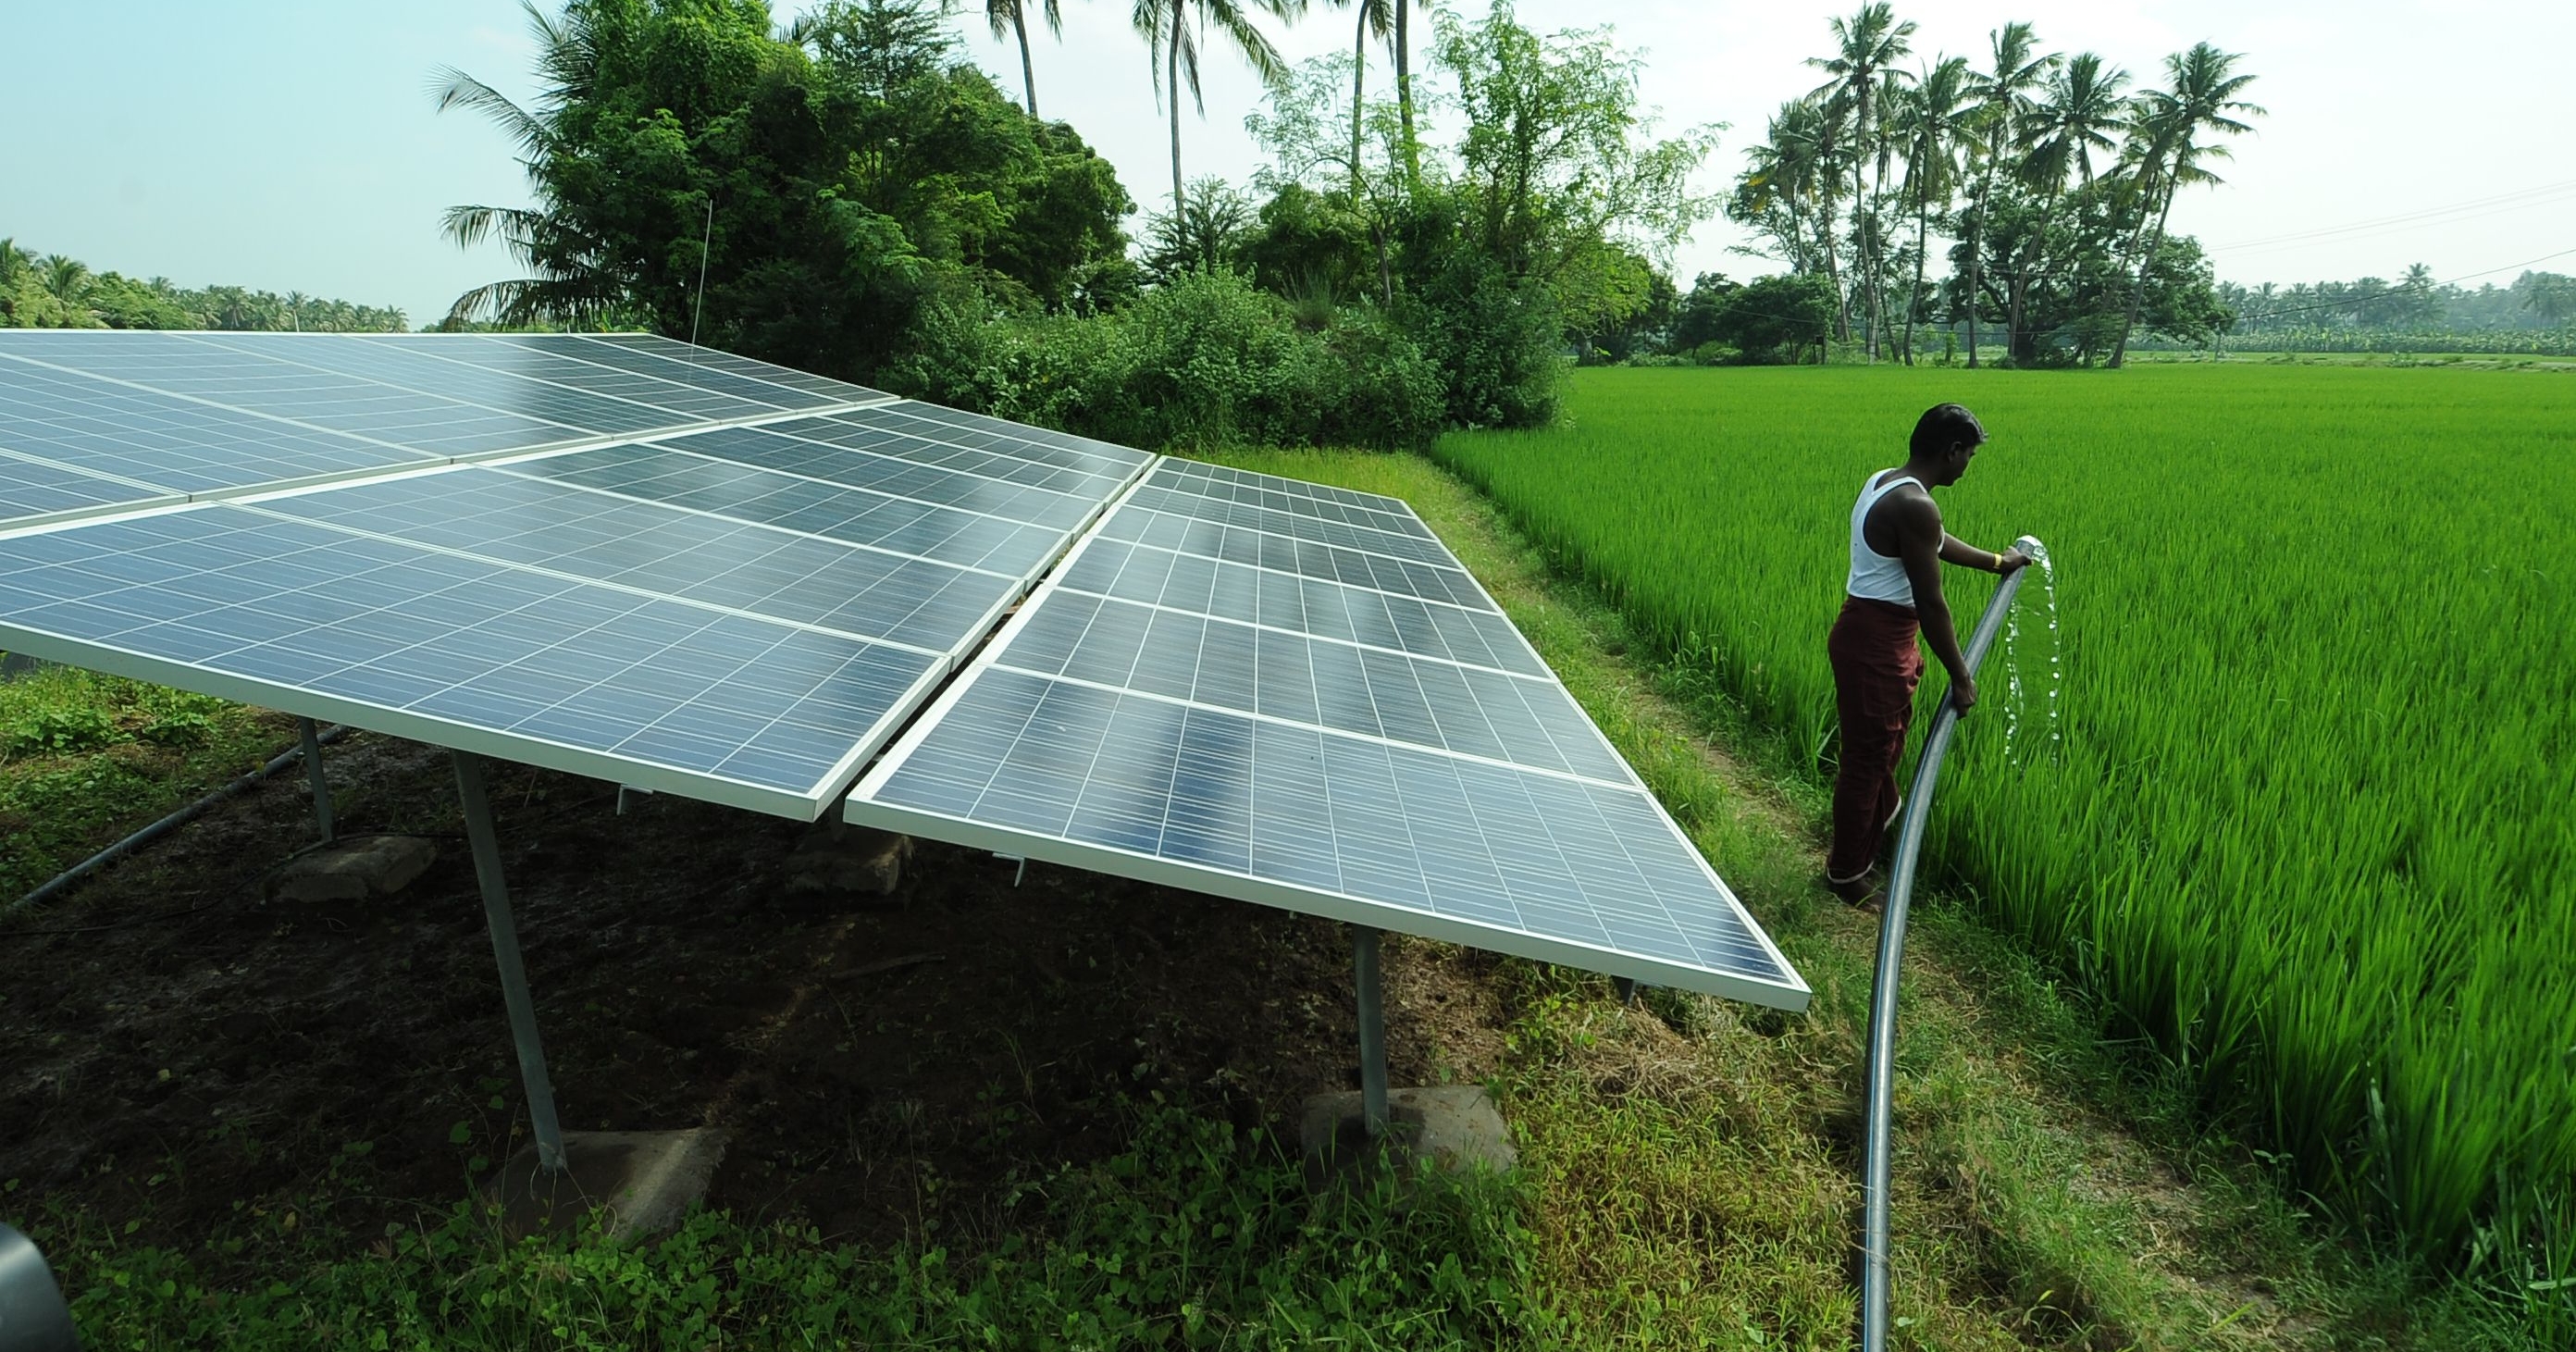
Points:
(2003, 92)
(1867, 46)
(13, 262)
(1378, 18)
(1934, 126)
(1784, 171)
(65, 279)
(1404, 88)
(570, 281)
(1165, 26)
(1011, 17)
(2084, 106)
(2202, 101)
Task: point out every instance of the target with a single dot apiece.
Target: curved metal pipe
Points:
(63, 881)
(1891, 953)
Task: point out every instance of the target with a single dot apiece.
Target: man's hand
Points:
(1963, 693)
(2011, 561)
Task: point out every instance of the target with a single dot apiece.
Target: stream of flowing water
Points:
(2012, 659)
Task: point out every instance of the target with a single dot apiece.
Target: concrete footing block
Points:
(1448, 1127)
(356, 869)
(644, 1180)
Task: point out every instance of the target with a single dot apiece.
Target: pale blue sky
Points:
(289, 144)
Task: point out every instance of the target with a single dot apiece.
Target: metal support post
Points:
(505, 954)
(1372, 1002)
(321, 783)
(1627, 988)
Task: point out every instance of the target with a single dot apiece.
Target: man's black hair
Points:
(1944, 427)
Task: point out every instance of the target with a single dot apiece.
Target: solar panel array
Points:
(637, 560)
(1294, 694)
(622, 557)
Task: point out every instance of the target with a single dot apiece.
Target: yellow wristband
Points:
(1999, 563)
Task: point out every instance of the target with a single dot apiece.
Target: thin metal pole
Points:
(1874, 1274)
(1372, 1001)
(321, 783)
(505, 954)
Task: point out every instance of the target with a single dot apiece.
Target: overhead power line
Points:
(2521, 200)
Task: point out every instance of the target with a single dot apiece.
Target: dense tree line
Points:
(2536, 313)
(55, 291)
(849, 195)
(2045, 182)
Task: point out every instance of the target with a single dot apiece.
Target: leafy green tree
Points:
(829, 185)
(2171, 125)
(1695, 318)
(1773, 320)
(1555, 167)
(1208, 235)
(1361, 184)
(2014, 68)
(2550, 295)
(2081, 110)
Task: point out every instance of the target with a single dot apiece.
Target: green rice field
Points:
(2308, 815)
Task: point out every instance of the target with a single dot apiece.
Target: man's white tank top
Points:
(1875, 576)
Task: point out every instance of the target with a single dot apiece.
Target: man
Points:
(1894, 592)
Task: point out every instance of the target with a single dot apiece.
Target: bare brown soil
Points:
(172, 1044)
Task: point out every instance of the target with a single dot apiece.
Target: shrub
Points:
(1205, 360)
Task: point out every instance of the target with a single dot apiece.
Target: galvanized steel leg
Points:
(321, 783)
(1627, 988)
(1372, 1004)
(505, 954)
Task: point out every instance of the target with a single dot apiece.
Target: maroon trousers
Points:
(1876, 666)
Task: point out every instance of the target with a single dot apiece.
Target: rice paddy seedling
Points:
(2311, 822)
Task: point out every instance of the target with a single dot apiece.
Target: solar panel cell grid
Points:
(233, 379)
(1279, 553)
(225, 591)
(835, 391)
(94, 425)
(890, 470)
(696, 375)
(1294, 525)
(1587, 866)
(659, 550)
(1386, 514)
(659, 473)
(30, 489)
(1305, 605)
(860, 431)
(523, 363)
(1364, 691)
(960, 428)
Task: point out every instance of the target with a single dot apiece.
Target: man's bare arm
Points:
(1921, 544)
(1957, 551)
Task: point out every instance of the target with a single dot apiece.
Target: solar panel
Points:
(99, 430)
(666, 551)
(214, 373)
(832, 391)
(461, 651)
(33, 490)
(1257, 688)
(565, 550)
(663, 472)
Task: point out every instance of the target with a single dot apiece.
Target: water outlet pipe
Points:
(311, 745)
(1874, 1274)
